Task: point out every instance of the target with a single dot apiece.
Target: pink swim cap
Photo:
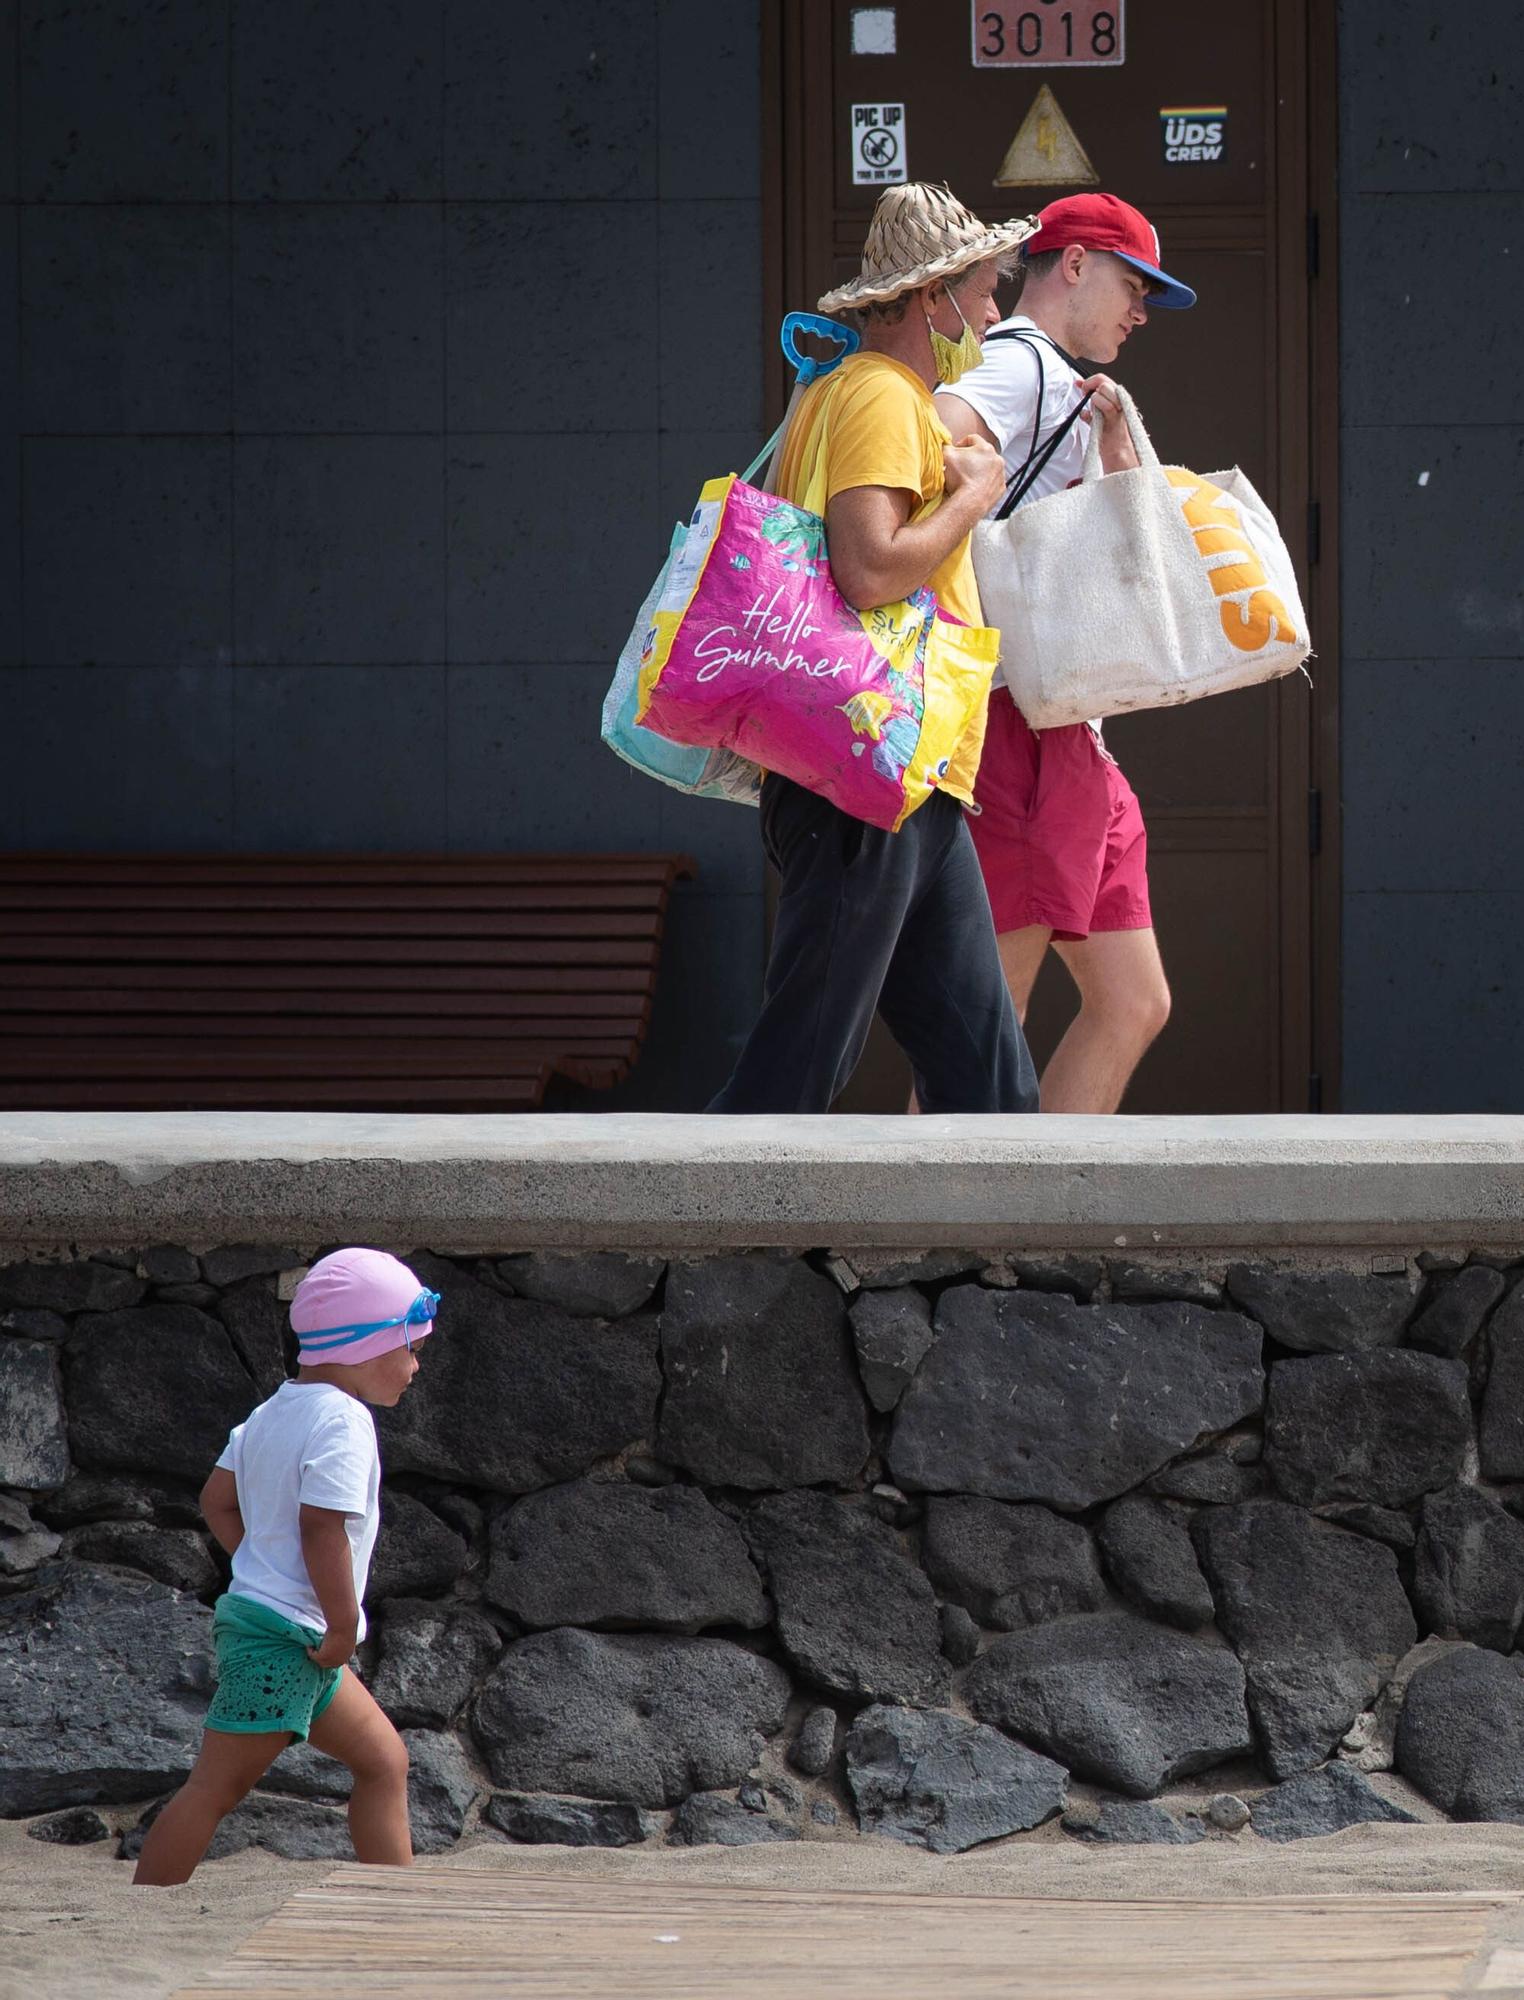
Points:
(354, 1304)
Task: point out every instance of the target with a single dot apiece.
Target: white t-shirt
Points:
(1024, 389)
(1004, 389)
(310, 1445)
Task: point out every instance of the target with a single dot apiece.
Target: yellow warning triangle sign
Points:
(1045, 153)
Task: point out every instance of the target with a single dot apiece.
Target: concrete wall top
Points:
(674, 1183)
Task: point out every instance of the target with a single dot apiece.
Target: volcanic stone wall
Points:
(768, 1546)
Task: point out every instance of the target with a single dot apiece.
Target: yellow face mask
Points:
(953, 358)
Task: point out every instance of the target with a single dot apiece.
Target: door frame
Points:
(1301, 51)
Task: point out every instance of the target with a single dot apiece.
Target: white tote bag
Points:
(1138, 589)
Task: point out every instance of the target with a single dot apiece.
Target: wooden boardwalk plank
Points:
(458, 1934)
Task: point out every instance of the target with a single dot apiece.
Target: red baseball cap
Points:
(1101, 222)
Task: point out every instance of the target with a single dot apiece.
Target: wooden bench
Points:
(296, 982)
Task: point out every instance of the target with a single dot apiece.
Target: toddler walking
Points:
(294, 1501)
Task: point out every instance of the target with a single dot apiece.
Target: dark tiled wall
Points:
(1432, 394)
(354, 363)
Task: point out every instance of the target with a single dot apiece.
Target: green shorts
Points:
(265, 1681)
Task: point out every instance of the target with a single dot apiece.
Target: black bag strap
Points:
(1027, 475)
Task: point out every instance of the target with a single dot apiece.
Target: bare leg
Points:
(228, 1767)
(1124, 1002)
(355, 1730)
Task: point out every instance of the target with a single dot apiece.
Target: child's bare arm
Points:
(325, 1550)
(220, 1509)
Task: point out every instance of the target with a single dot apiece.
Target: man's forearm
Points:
(906, 559)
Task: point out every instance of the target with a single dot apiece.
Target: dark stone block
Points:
(1135, 1823)
(78, 1286)
(1317, 1616)
(936, 1780)
(551, 1822)
(1382, 1427)
(589, 802)
(607, 1554)
(125, 320)
(118, 113)
(416, 1555)
(89, 1496)
(340, 550)
(323, 113)
(597, 1284)
(304, 1773)
(709, 63)
(891, 1331)
(1147, 1548)
(431, 1657)
(259, 1326)
(153, 1389)
(1455, 1316)
(709, 1819)
(392, 721)
(83, 792)
(709, 250)
(34, 1439)
(632, 1718)
(441, 1789)
(234, 1262)
(877, 1272)
(24, 1547)
(1501, 1428)
(813, 1748)
(960, 1635)
(1117, 1699)
(1421, 557)
(518, 1393)
(1320, 1802)
(1460, 1735)
(1434, 108)
(176, 1556)
(761, 1390)
(1077, 1278)
(587, 128)
(1376, 296)
(1213, 1480)
(854, 1614)
(1321, 1312)
(34, 1323)
(77, 1828)
(1468, 1569)
(1382, 1524)
(516, 510)
(168, 1264)
(339, 325)
(1138, 1284)
(1010, 1566)
(109, 1720)
(1031, 1397)
(129, 551)
(187, 1295)
(498, 377)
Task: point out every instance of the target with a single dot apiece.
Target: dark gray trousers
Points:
(893, 922)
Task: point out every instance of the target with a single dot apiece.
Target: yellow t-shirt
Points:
(872, 422)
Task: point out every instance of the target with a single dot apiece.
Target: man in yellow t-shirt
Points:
(897, 923)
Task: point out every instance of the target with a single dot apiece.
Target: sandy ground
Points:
(72, 1925)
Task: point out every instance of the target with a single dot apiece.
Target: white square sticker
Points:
(873, 31)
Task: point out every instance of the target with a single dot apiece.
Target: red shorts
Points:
(1059, 831)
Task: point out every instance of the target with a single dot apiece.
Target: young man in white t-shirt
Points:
(1059, 834)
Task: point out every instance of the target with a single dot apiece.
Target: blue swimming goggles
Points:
(419, 1313)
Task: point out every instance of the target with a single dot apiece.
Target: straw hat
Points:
(920, 233)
